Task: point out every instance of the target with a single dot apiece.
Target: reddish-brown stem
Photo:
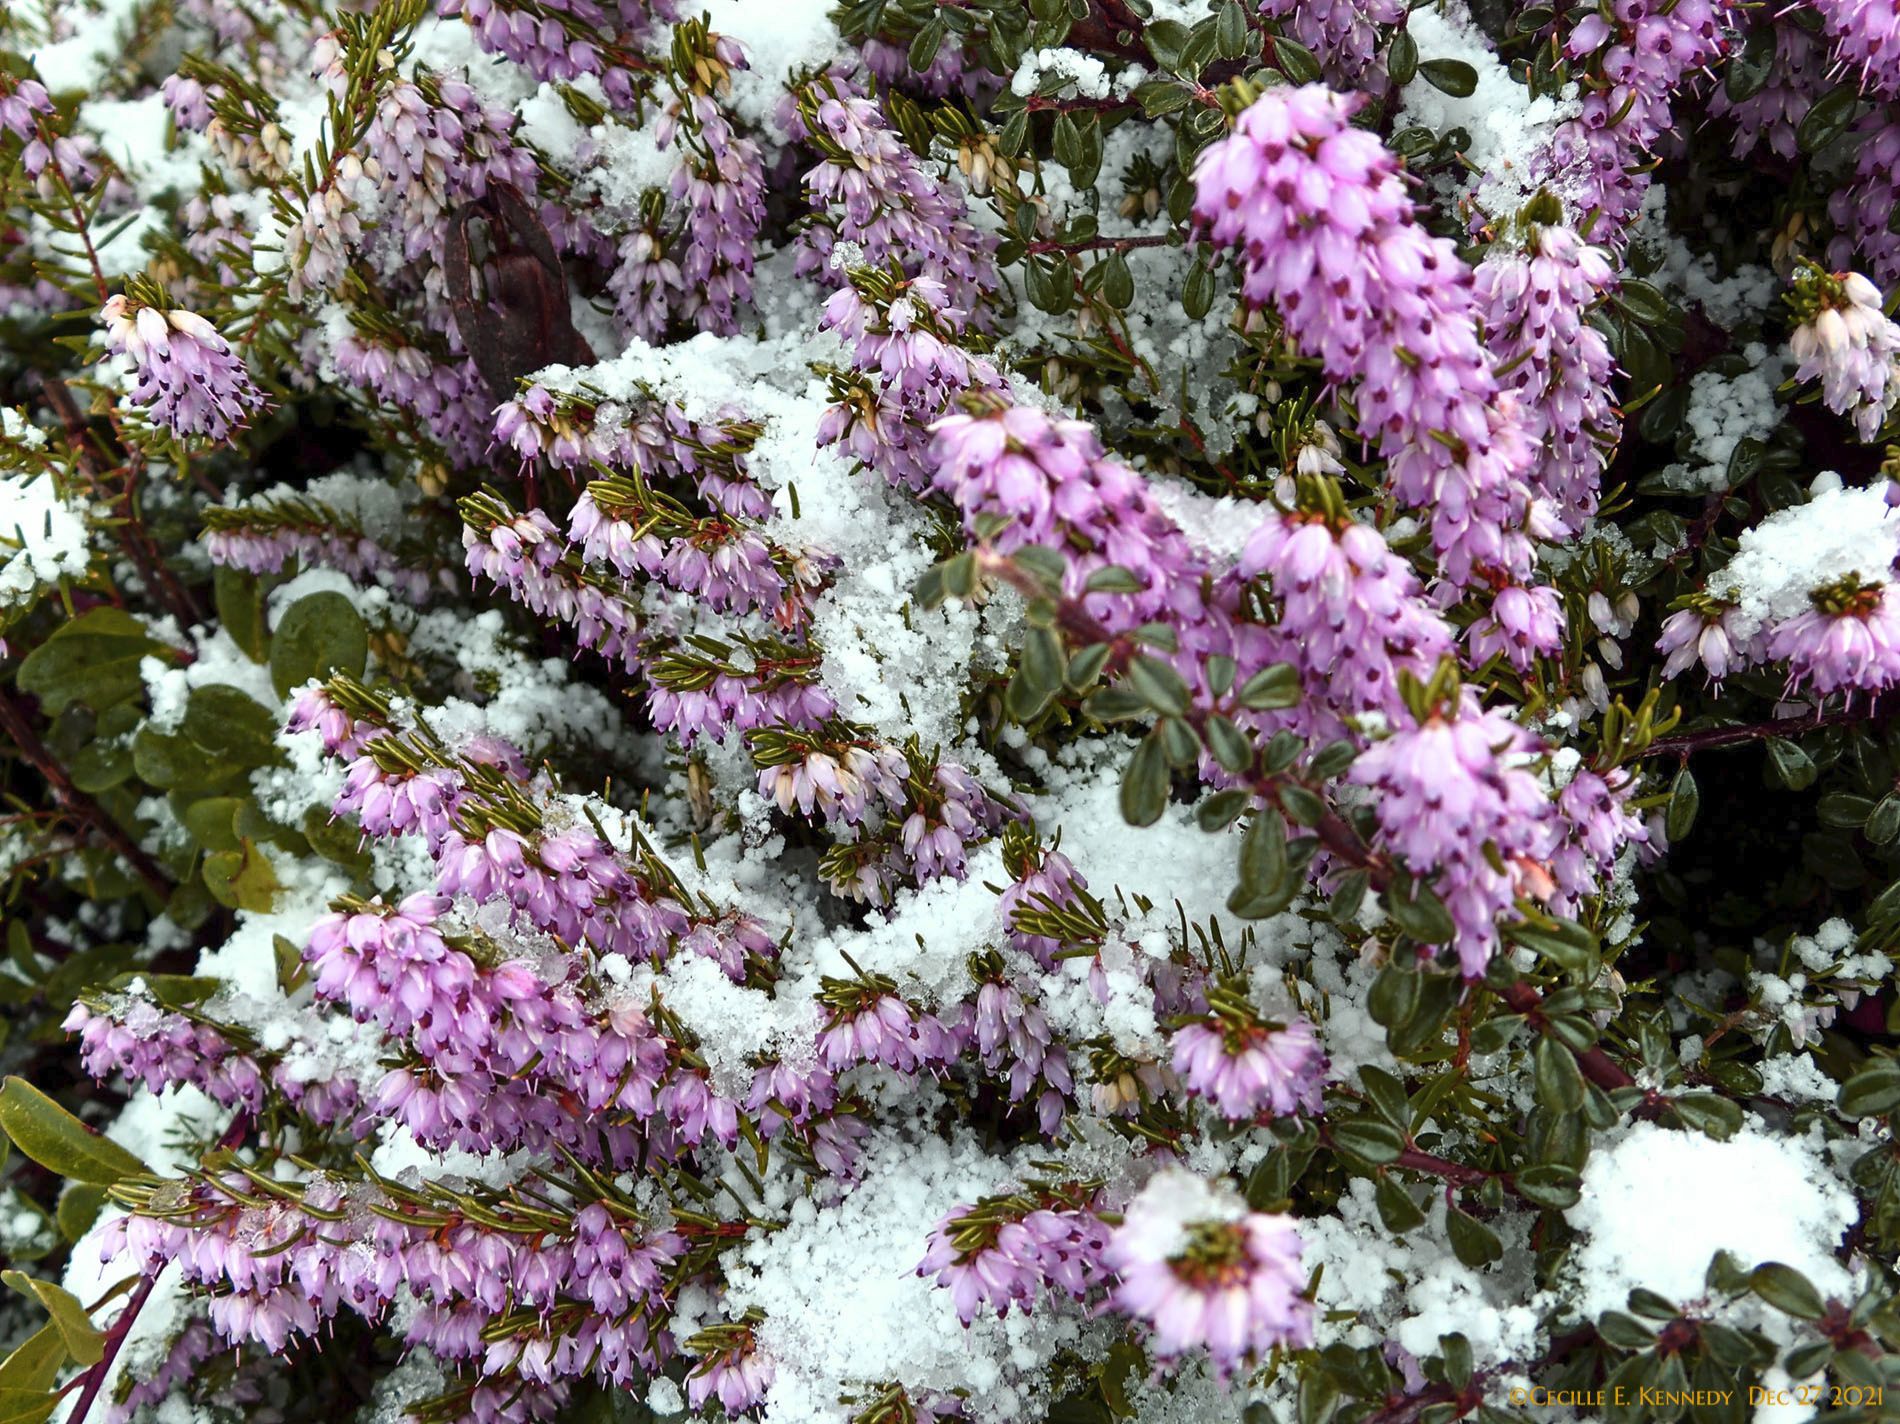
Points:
(1048, 104)
(95, 1378)
(1686, 744)
(1456, 1173)
(1199, 442)
(1135, 362)
(1102, 244)
(133, 535)
(1595, 1064)
(80, 224)
(18, 728)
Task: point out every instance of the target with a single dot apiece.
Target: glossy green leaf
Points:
(1559, 1082)
(34, 1365)
(1684, 801)
(1271, 689)
(1296, 61)
(1549, 1184)
(82, 1339)
(1453, 76)
(1367, 1138)
(1472, 1242)
(60, 1142)
(242, 879)
(93, 659)
(1397, 1210)
(1789, 765)
(1421, 914)
(1709, 1113)
(1874, 1089)
(1197, 292)
(240, 600)
(1144, 794)
(1233, 36)
(1159, 685)
(26, 1406)
(1827, 118)
(79, 1207)
(319, 635)
(1401, 60)
(1787, 1290)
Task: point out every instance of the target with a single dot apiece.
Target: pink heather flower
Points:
(1851, 345)
(450, 395)
(1848, 642)
(1070, 1239)
(341, 734)
(845, 787)
(1644, 53)
(737, 701)
(387, 804)
(188, 100)
(1598, 824)
(1692, 635)
(953, 812)
(1866, 34)
(1320, 215)
(646, 283)
(871, 192)
(526, 555)
(910, 371)
(999, 1274)
(1004, 1250)
(1536, 302)
(1246, 1069)
(1861, 206)
(261, 535)
(729, 569)
(557, 53)
(1345, 35)
(1009, 1026)
(1772, 116)
(1204, 1272)
(835, 1143)
(1043, 878)
(1056, 486)
(882, 1029)
(393, 967)
(720, 190)
(434, 155)
(1521, 625)
(695, 1111)
(22, 106)
(194, 1345)
(737, 1376)
(782, 1094)
(1457, 801)
(144, 1042)
(188, 377)
(1349, 607)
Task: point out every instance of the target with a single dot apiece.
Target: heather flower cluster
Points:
(1324, 228)
(187, 376)
(1849, 342)
(860, 714)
